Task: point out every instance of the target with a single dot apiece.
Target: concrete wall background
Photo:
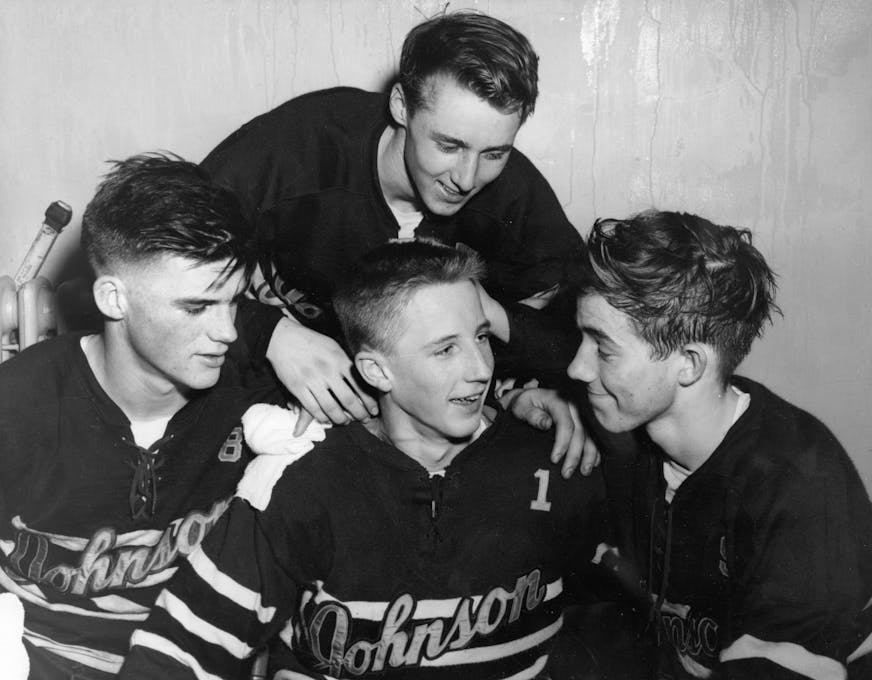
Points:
(750, 112)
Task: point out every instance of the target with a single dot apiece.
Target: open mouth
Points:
(466, 401)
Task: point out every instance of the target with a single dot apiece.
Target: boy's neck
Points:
(433, 453)
(138, 395)
(696, 425)
(396, 186)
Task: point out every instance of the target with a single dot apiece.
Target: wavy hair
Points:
(481, 53)
(681, 279)
(158, 203)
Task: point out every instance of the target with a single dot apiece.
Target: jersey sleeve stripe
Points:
(30, 594)
(163, 646)
(864, 648)
(424, 609)
(287, 674)
(92, 658)
(554, 589)
(531, 672)
(496, 652)
(139, 537)
(788, 655)
(120, 605)
(234, 591)
(204, 630)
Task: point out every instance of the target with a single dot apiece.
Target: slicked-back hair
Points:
(370, 301)
(481, 53)
(682, 279)
(160, 204)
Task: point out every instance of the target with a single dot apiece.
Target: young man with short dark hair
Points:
(749, 548)
(432, 541)
(329, 175)
(121, 449)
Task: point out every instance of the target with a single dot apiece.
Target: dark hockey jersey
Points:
(307, 176)
(760, 565)
(86, 570)
(384, 569)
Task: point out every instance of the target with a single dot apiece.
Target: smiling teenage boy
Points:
(121, 449)
(751, 527)
(432, 541)
(329, 175)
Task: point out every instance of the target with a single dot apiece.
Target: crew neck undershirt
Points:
(408, 221)
(145, 432)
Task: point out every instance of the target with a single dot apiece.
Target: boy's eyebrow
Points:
(444, 338)
(453, 141)
(204, 300)
(208, 300)
(198, 301)
(484, 326)
(600, 336)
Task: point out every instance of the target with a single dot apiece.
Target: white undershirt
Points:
(147, 432)
(675, 474)
(408, 222)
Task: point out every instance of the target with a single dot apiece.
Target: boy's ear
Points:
(110, 294)
(695, 360)
(397, 105)
(372, 368)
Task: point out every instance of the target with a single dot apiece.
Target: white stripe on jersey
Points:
(425, 609)
(230, 588)
(167, 648)
(531, 672)
(864, 648)
(495, 652)
(120, 605)
(139, 537)
(93, 658)
(286, 674)
(526, 674)
(202, 629)
(788, 655)
(28, 592)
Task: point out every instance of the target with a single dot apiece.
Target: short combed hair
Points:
(481, 53)
(681, 279)
(370, 301)
(160, 204)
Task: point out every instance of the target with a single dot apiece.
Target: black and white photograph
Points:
(435, 340)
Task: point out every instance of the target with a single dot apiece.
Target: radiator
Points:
(27, 306)
(27, 315)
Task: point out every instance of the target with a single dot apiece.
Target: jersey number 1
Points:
(541, 503)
